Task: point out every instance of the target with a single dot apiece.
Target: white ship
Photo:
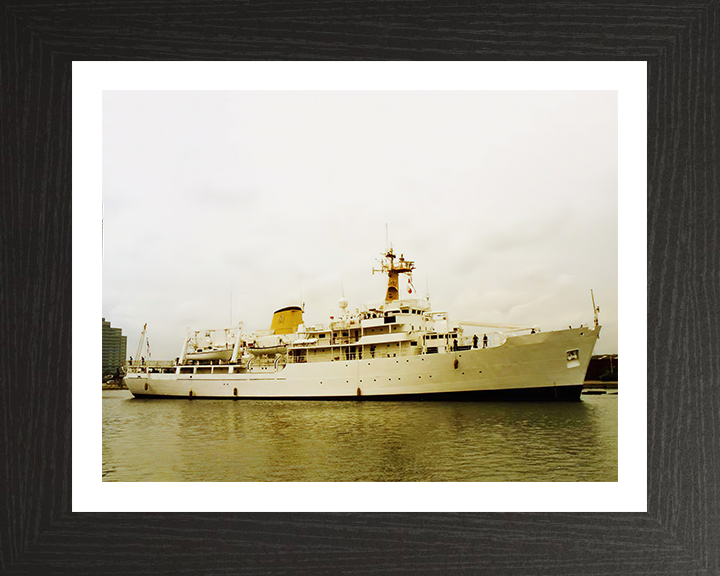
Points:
(400, 349)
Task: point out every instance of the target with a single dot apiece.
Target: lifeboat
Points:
(266, 350)
(211, 353)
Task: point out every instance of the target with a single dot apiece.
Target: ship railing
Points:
(137, 369)
(151, 363)
(343, 341)
(340, 354)
(155, 368)
(339, 341)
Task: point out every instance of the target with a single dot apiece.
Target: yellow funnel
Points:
(286, 320)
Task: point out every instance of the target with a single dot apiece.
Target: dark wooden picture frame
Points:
(680, 532)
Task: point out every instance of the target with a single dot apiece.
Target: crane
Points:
(140, 344)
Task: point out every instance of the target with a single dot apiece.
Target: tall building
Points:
(114, 349)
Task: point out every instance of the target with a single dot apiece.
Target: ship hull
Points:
(534, 366)
(543, 394)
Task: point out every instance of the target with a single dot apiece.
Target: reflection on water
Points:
(306, 441)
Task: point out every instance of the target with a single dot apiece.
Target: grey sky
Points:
(507, 202)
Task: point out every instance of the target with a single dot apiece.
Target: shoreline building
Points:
(114, 349)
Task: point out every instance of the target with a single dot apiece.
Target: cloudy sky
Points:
(221, 207)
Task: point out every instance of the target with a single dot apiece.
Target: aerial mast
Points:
(393, 271)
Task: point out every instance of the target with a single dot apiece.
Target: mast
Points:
(596, 309)
(393, 271)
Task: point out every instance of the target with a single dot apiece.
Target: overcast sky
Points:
(221, 207)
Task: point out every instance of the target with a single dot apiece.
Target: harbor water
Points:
(180, 440)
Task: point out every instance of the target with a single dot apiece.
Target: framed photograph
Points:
(496, 216)
(62, 517)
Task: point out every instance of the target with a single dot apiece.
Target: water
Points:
(347, 441)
